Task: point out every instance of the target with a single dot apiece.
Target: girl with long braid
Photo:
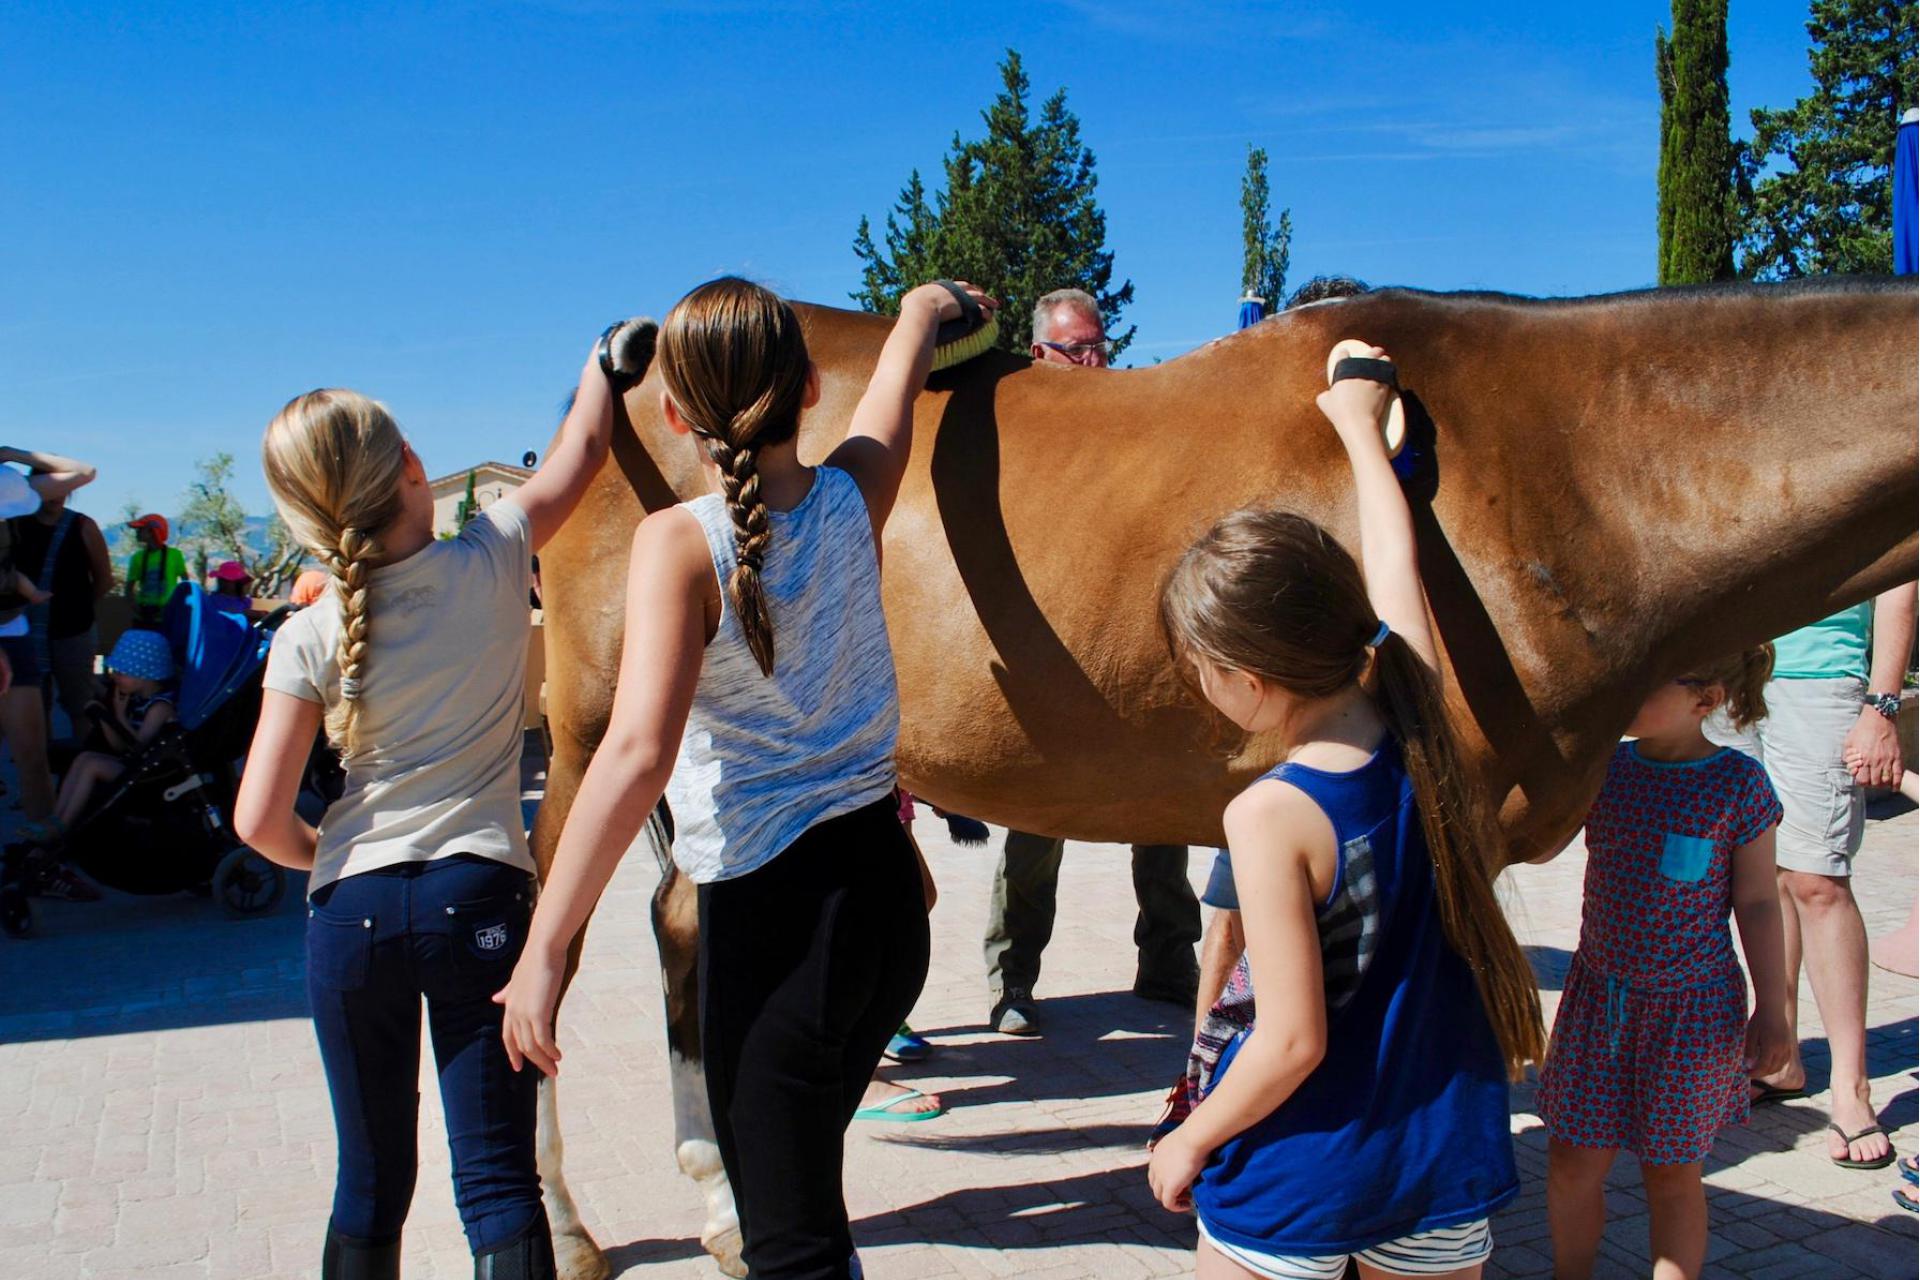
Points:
(756, 655)
(1362, 1115)
(422, 882)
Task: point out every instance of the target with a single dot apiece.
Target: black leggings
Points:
(808, 965)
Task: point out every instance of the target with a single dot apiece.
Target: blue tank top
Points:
(1403, 1127)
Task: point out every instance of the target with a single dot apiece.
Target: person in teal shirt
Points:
(1834, 698)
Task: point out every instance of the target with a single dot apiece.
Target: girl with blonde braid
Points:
(756, 655)
(422, 882)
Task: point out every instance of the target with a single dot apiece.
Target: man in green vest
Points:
(1834, 697)
(154, 570)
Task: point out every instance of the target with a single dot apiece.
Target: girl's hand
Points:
(945, 306)
(530, 997)
(1176, 1163)
(1355, 406)
(1769, 1042)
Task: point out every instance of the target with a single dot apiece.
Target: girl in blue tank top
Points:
(1362, 1114)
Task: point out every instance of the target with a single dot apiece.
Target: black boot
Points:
(346, 1258)
(528, 1256)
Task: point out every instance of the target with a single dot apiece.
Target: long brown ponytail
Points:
(735, 363)
(1272, 594)
(334, 461)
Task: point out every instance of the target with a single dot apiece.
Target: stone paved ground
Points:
(162, 1112)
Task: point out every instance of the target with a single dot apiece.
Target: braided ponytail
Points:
(334, 461)
(735, 365)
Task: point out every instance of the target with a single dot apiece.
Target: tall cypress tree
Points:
(1696, 206)
(1263, 271)
(1018, 218)
(1828, 206)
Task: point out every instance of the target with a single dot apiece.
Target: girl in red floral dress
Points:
(1652, 1047)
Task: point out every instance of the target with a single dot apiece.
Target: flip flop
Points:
(885, 1111)
(1904, 1198)
(1910, 1169)
(907, 1045)
(1851, 1138)
(1770, 1093)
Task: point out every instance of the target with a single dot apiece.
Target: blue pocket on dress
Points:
(1685, 858)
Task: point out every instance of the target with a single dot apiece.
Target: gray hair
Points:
(1078, 299)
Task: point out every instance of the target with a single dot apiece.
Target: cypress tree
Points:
(1263, 271)
(1696, 206)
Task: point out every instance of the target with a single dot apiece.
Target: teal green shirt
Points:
(1827, 650)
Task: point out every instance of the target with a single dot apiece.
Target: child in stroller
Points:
(159, 823)
(141, 703)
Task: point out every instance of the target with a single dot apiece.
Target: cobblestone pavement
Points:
(163, 1113)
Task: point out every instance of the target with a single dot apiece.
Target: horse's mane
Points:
(1818, 286)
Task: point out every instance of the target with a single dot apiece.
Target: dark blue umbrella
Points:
(1253, 310)
(1906, 192)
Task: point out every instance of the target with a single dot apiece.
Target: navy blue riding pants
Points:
(377, 943)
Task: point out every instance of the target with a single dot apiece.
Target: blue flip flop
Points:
(885, 1111)
(907, 1046)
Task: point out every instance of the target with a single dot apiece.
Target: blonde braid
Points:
(352, 569)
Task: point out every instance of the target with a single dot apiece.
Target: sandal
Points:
(1910, 1169)
(1764, 1094)
(885, 1111)
(1851, 1138)
(1904, 1198)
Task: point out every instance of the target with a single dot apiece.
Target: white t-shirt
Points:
(438, 772)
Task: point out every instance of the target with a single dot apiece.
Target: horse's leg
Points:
(576, 1256)
(676, 928)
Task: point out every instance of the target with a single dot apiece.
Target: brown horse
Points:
(1607, 490)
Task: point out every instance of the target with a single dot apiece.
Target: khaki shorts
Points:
(1801, 744)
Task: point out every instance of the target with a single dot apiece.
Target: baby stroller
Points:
(164, 826)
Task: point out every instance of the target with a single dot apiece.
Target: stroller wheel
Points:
(16, 913)
(246, 883)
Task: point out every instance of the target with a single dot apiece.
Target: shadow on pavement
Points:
(130, 964)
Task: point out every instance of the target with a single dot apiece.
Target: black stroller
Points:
(165, 826)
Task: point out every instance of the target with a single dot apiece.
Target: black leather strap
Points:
(970, 319)
(1366, 368)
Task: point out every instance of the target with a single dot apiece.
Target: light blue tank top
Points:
(1403, 1126)
(764, 758)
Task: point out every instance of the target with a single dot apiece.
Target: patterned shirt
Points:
(1660, 843)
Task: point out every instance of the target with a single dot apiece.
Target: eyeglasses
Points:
(1079, 350)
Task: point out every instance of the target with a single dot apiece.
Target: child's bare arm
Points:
(158, 716)
(585, 437)
(264, 815)
(1756, 908)
(1388, 553)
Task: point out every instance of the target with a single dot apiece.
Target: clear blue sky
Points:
(209, 207)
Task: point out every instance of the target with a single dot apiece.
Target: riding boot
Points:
(528, 1256)
(346, 1258)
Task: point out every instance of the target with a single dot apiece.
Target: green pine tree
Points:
(1815, 195)
(1696, 212)
(1017, 218)
(1263, 271)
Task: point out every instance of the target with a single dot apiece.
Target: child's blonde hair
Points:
(1743, 677)
(334, 461)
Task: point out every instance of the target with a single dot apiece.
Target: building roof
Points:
(479, 470)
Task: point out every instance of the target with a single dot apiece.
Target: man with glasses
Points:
(1068, 330)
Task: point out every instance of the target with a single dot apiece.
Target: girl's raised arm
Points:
(881, 434)
(585, 437)
(659, 667)
(1388, 554)
(263, 813)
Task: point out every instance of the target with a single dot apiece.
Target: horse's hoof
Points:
(725, 1249)
(577, 1257)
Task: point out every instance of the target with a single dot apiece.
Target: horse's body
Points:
(1611, 489)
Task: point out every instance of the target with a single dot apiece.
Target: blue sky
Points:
(209, 208)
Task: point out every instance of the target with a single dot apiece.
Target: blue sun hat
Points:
(143, 655)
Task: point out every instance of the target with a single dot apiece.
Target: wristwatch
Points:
(1887, 704)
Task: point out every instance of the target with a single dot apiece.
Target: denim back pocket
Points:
(487, 934)
(339, 949)
(1685, 858)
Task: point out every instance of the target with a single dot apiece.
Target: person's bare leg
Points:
(1370, 1272)
(1210, 1264)
(1794, 1074)
(1833, 938)
(1576, 1205)
(89, 773)
(1676, 1220)
(23, 724)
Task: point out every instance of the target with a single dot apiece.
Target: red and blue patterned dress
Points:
(1648, 1044)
